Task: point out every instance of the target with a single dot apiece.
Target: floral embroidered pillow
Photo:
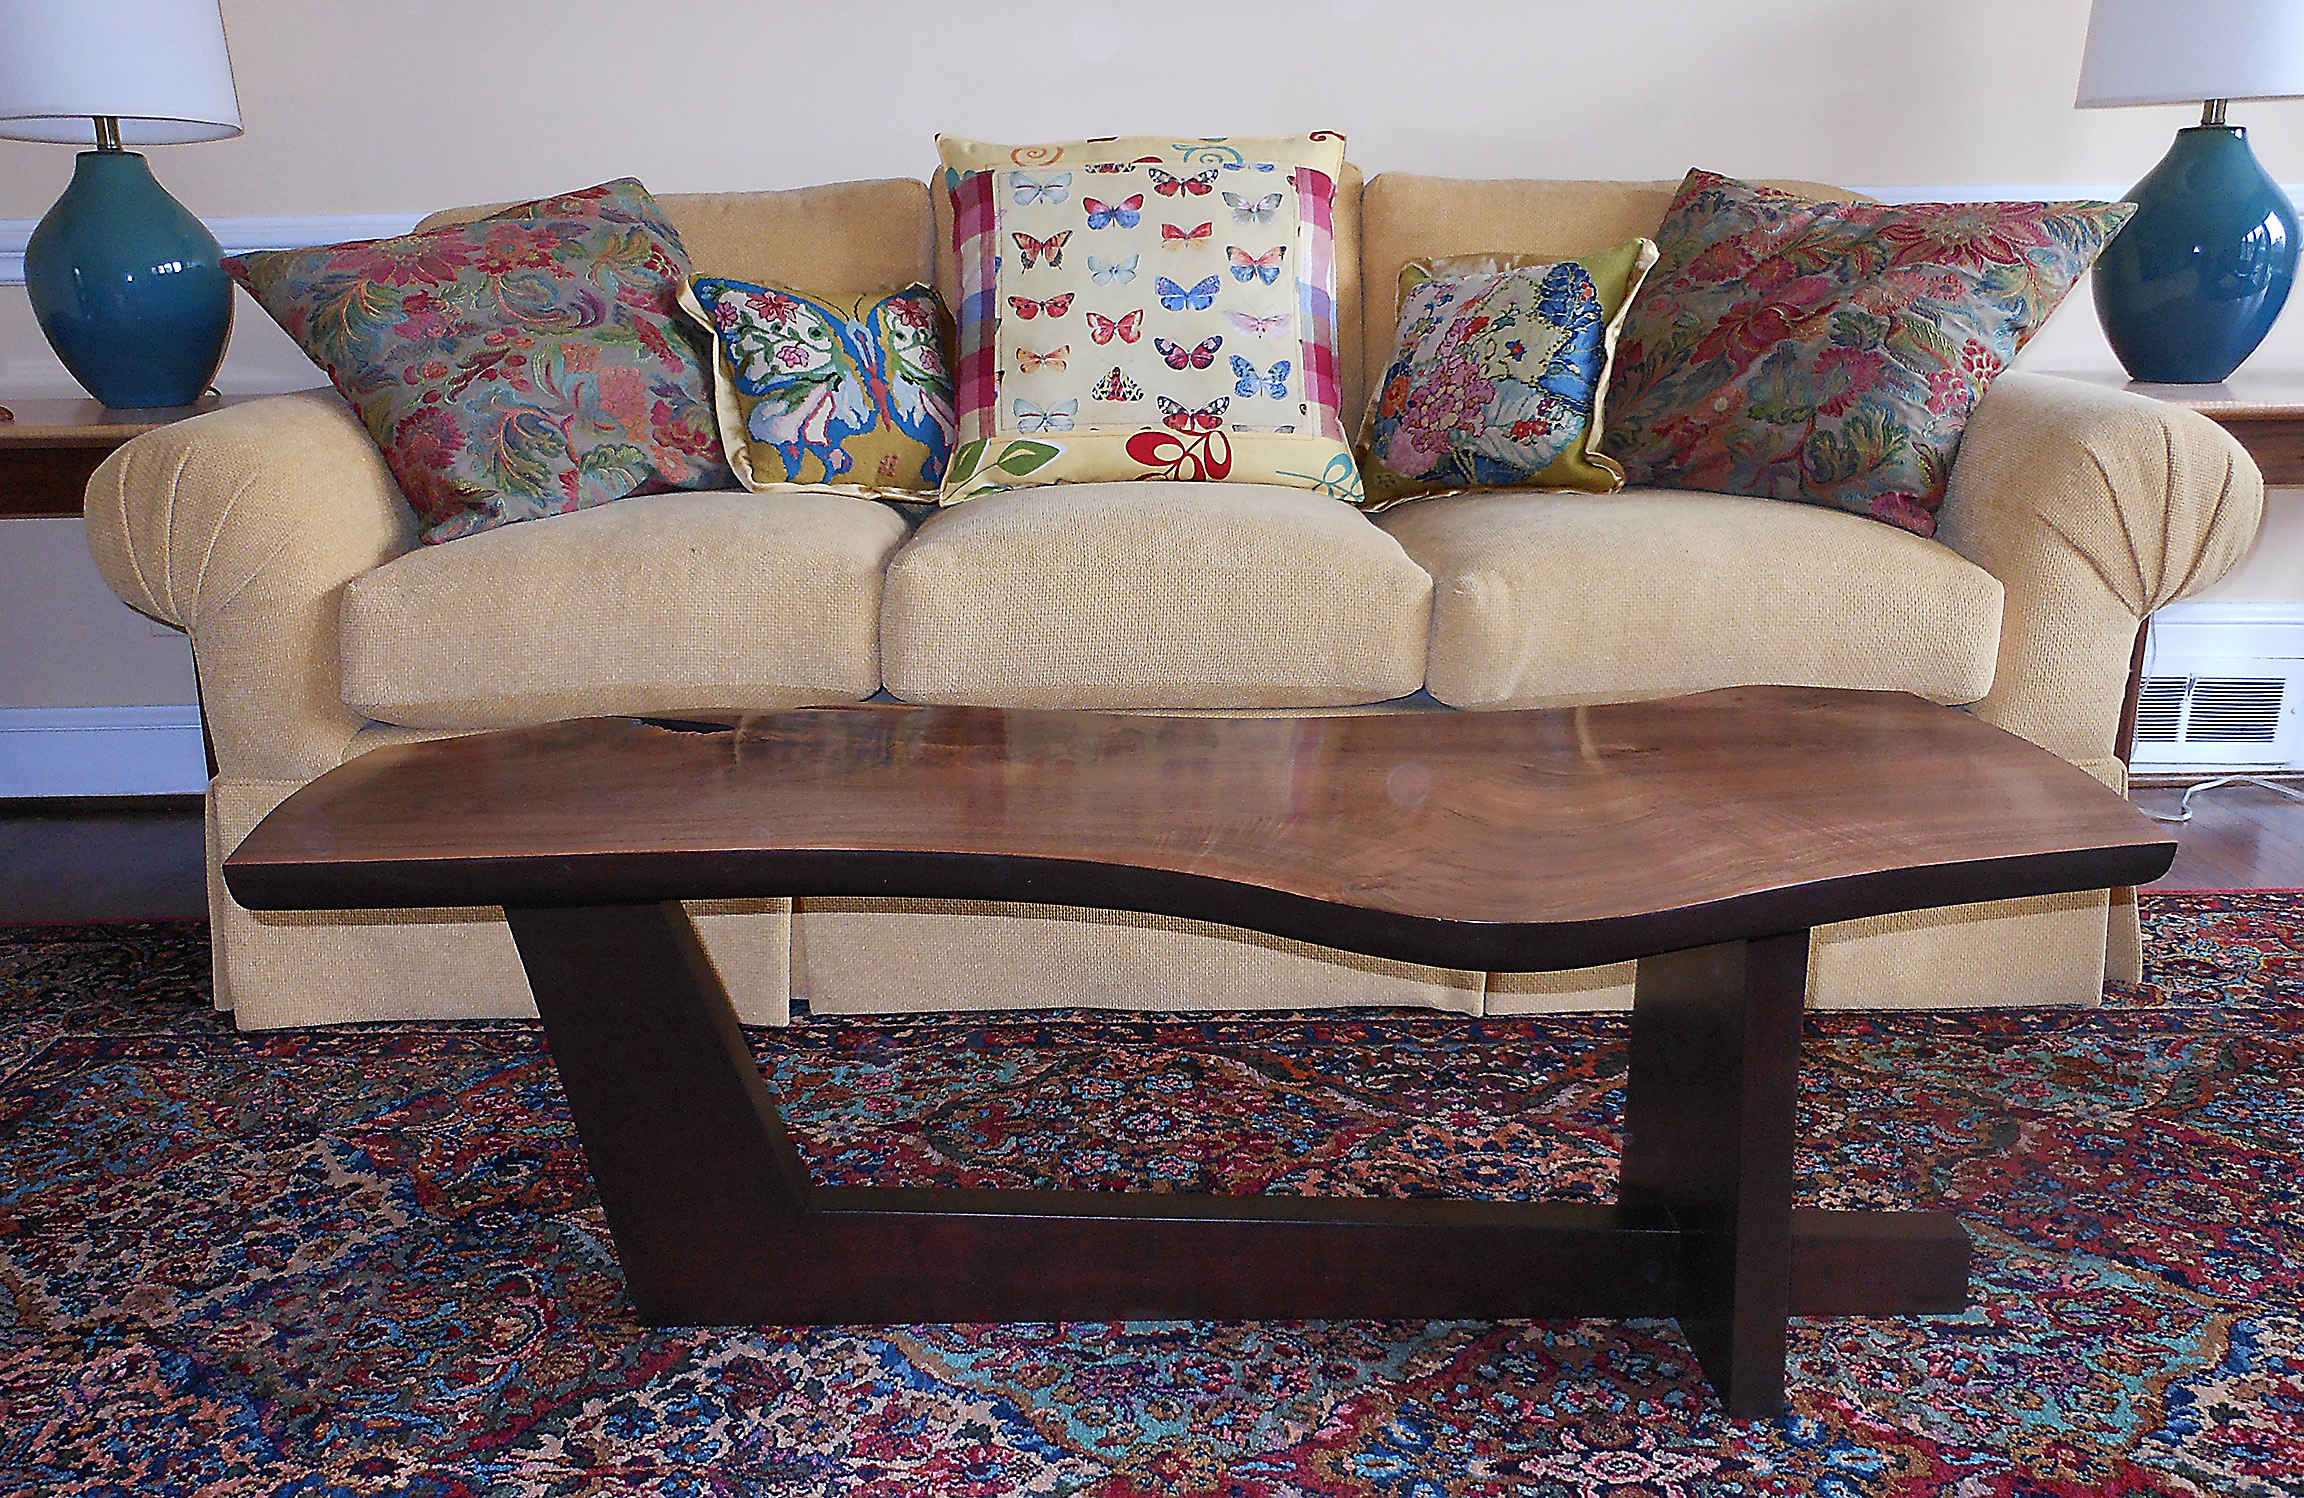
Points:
(1498, 375)
(850, 394)
(1831, 352)
(1147, 309)
(525, 364)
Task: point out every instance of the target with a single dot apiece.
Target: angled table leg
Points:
(717, 1224)
(694, 1168)
(1708, 1119)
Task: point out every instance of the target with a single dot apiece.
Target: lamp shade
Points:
(2185, 51)
(158, 66)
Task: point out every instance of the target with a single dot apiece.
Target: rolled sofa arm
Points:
(2093, 507)
(242, 527)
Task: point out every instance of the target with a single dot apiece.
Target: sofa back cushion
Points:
(1404, 217)
(844, 238)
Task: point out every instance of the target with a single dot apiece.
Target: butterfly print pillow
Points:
(1146, 308)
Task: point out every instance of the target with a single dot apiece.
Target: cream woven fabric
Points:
(891, 956)
(844, 237)
(663, 604)
(1548, 600)
(1153, 595)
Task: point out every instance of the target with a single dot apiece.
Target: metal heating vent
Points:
(2160, 709)
(2210, 719)
(2233, 710)
(2223, 689)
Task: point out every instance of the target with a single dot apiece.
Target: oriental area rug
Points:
(368, 1260)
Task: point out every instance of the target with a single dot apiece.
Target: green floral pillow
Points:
(521, 365)
(1831, 352)
(851, 394)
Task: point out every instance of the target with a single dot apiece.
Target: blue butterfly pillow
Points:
(847, 394)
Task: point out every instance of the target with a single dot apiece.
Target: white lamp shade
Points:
(2187, 51)
(158, 66)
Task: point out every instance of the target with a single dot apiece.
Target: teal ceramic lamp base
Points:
(129, 286)
(2189, 288)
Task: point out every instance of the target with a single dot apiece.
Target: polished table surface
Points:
(1703, 836)
(1500, 840)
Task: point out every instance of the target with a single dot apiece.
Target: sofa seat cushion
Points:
(660, 605)
(1154, 595)
(1549, 600)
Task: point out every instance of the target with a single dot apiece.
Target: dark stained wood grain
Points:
(716, 1223)
(1516, 841)
(1703, 835)
(40, 482)
(1708, 1115)
(2276, 442)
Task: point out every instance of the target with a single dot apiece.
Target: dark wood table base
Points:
(717, 1223)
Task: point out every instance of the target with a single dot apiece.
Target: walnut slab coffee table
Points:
(1703, 836)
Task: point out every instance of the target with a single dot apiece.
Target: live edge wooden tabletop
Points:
(1702, 836)
(1508, 841)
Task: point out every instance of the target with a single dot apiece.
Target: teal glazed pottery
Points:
(128, 286)
(2192, 284)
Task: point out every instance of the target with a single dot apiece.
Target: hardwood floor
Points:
(117, 859)
(2240, 837)
(141, 859)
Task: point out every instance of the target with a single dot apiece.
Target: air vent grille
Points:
(2234, 710)
(2197, 718)
(2160, 709)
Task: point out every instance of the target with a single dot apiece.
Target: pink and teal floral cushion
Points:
(525, 364)
(1831, 352)
(1497, 375)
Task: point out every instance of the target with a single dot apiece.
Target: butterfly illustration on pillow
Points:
(1180, 357)
(1050, 249)
(1273, 381)
(1247, 267)
(1056, 418)
(1252, 210)
(1122, 271)
(1185, 419)
(1030, 190)
(1116, 388)
(1055, 306)
(1176, 299)
(1027, 361)
(1111, 166)
(1196, 186)
(1105, 215)
(1177, 237)
(1127, 329)
(1259, 327)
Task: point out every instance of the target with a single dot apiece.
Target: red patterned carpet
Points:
(368, 1260)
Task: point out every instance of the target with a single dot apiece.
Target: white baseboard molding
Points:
(101, 751)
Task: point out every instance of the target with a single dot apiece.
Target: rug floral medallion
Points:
(368, 1260)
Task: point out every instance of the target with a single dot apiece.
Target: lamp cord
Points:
(2183, 811)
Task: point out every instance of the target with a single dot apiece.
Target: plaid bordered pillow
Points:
(1147, 309)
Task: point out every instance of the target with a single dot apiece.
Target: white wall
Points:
(419, 104)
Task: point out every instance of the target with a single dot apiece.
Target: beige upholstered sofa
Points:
(272, 533)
